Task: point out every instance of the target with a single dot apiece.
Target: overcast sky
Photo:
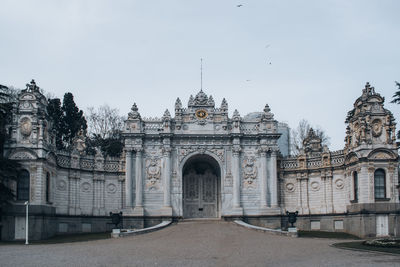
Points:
(306, 59)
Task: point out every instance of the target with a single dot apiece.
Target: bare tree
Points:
(300, 133)
(104, 122)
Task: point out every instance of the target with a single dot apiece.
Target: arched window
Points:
(379, 184)
(355, 184)
(23, 185)
(48, 187)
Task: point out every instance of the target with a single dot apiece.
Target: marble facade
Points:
(256, 179)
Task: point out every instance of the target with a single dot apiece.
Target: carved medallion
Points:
(86, 187)
(339, 183)
(26, 127)
(290, 187)
(377, 128)
(111, 188)
(314, 186)
(61, 185)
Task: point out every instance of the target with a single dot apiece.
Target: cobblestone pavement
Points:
(204, 243)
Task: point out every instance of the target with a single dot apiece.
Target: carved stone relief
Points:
(219, 152)
(153, 172)
(86, 187)
(377, 128)
(249, 171)
(26, 127)
(290, 187)
(339, 183)
(61, 185)
(315, 186)
(111, 188)
(22, 155)
(381, 155)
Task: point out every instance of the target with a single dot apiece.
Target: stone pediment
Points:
(381, 154)
(23, 154)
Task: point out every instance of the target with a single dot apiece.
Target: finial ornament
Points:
(224, 104)
(167, 115)
(266, 108)
(191, 101)
(32, 86)
(178, 104)
(368, 90)
(134, 114)
(211, 101)
(236, 115)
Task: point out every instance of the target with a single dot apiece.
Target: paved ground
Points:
(194, 244)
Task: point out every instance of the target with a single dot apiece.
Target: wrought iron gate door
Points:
(200, 195)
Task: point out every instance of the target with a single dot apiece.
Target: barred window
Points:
(48, 187)
(23, 185)
(355, 183)
(379, 184)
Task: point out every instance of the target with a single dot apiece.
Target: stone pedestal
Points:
(293, 231)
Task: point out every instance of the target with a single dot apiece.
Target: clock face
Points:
(201, 114)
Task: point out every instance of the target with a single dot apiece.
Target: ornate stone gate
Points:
(201, 187)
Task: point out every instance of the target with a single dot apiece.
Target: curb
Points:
(118, 233)
(363, 250)
(263, 229)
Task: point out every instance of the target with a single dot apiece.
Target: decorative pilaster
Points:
(237, 210)
(128, 179)
(263, 180)
(167, 209)
(299, 194)
(139, 182)
(273, 180)
(167, 177)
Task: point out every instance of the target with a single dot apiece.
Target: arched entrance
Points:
(201, 187)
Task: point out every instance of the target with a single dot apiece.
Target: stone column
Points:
(167, 177)
(236, 176)
(263, 180)
(128, 179)
(139, 179)
(273, 180)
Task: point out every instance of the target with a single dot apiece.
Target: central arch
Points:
(201, 187)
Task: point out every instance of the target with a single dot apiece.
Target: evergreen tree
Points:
(73, 119)
(396, 99)
(8, 168)
(56, 116)
(5, 112)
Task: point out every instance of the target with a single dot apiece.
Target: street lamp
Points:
(26, 223)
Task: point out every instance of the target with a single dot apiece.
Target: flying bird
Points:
(239, 5)
(268, 45)
(248, 80)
